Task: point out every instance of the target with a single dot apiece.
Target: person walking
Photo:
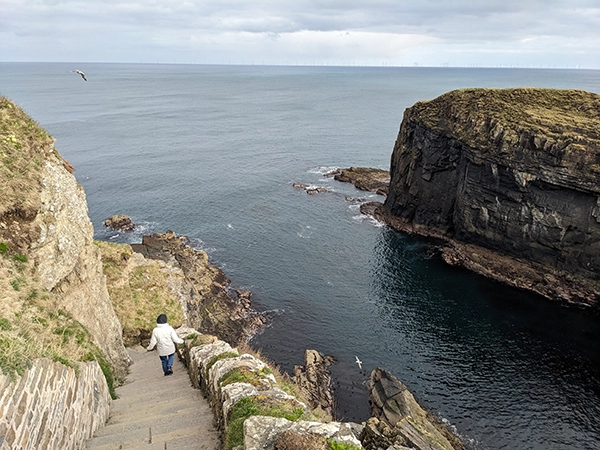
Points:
(164, 338)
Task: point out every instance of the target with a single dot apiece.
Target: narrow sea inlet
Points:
(212, 152)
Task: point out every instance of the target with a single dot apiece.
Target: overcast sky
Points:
(487, 33)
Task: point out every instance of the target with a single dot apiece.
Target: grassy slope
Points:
(31, 325)
(139, 293)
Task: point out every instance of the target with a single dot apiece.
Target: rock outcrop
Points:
(399, 422)
(210, 305)
(314, 379)
(43, 215)
(364, 178)
(510, 178)
(119, 222)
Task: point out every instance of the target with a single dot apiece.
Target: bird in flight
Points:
(359, 362)
(81, 73)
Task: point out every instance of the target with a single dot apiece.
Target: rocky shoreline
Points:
(212, 307)
(508, 178)
(569, 288)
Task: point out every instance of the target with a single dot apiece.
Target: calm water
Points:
(212, 151)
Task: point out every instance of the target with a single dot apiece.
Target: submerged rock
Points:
(509, 178)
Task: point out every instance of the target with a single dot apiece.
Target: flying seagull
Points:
(81, 73)
(359, 362)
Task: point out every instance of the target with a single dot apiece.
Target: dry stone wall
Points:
(210, 363)
(52, 406)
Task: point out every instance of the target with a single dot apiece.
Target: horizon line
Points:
(382, 65)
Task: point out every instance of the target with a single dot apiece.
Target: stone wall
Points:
(52, 406)
(209, 363)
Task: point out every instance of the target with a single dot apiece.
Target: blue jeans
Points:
(167, 362)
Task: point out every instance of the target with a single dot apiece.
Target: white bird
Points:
(359, 362)
(81, 73)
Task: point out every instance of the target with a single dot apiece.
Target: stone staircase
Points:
(157, 412)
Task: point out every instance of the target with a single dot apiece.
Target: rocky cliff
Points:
(209, 304)
(43, 217)
(510, 178)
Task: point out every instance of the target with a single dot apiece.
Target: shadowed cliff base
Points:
(509, 179)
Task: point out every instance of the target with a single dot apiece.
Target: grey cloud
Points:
(143, 25)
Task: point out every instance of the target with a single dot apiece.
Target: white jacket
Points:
(165, 338)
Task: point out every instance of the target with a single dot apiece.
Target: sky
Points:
(454, 33)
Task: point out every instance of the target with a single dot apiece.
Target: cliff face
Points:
(43, 215)
(511, 178)
(210, 305)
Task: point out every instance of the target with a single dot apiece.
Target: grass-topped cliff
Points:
(24, 147)
(551, 128)
(39, 315)
(510, 176)
(553, 114)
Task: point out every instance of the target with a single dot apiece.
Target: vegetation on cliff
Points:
(24, 146)
(517, 123)
(139, 291)
(509, 178)
(32, 324)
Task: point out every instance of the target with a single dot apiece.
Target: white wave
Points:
(306, 232)
(322, 170)
(369, 219)
(473, 442)
(199, 244)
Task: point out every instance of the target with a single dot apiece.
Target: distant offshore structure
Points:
(81, 73)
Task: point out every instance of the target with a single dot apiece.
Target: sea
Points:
(212, 152)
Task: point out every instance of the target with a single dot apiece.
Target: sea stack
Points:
(510, 179)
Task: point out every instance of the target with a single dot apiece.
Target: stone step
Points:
(180, 439)
(189, 415)
(167, 409)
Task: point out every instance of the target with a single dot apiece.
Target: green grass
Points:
(256, 406)
(5, 324)
(138, 293)
(334, 445)
(214, 359)
(17, 283)
(243, 375)
(20, 258)
(24, 147)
